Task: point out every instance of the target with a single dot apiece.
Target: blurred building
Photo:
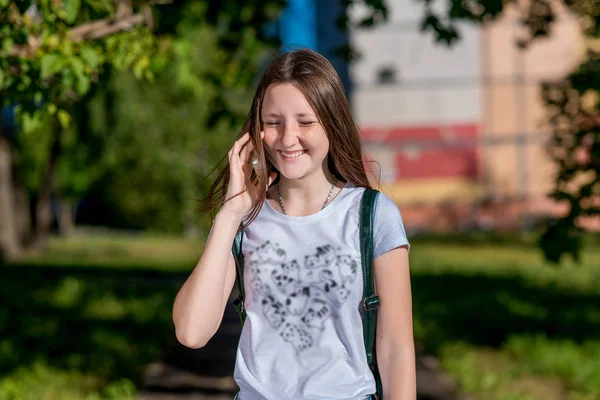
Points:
(458, 132)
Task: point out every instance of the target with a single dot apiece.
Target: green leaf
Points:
(7, 45)
(140, 67)
(64, 118)
(4, 3)
(30, 122)
(1, 79)
(91, 57)
(77, 67)
(51, 64)
(83, 80)
(38, 97)
(83, 85)
(72, 9)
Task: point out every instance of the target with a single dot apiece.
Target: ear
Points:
(272, 176)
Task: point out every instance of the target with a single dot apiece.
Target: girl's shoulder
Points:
(355, 194)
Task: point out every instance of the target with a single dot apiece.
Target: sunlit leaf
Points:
(83, 85)
(91, 57)
(64, 118)
(30, 122)
(52, 109)
(7, 45)
(51, 63)
(72, 9)
(78, 67)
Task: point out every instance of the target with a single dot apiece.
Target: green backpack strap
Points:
(370, 298)
(239, 274)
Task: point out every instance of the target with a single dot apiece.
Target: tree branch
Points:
(105, 27)
(91, 31)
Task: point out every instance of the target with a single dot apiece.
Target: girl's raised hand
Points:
(240, 173)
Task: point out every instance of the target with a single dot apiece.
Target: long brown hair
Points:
(316, 78)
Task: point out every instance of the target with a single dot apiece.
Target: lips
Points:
(292, 155)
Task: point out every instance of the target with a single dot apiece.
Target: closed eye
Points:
(272, 123)
(307, 123)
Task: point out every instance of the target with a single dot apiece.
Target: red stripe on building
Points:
(438, 158)
(438, 164)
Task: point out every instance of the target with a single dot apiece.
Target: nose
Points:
(289, 136)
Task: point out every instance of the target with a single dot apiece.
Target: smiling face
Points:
(295, 140)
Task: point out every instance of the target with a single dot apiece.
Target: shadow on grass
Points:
(108, 322)
(485, 310)
(114, 322)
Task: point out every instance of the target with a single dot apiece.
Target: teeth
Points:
(292, 155)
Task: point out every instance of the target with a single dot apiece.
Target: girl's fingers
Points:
(245, 153)
(245, 147)
(234, 152)
(234, 149)
(244, 139)
(239, 143)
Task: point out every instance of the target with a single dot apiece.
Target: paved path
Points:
(205, 374)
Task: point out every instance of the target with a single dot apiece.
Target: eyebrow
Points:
(272, 115)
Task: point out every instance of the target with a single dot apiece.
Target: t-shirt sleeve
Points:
(388, 228)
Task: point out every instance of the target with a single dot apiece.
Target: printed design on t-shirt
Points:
(297, 297)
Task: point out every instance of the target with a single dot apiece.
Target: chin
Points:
(294, 171)
(292, 175)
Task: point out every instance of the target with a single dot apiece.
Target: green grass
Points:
(146, 252)
(507, 325)
(39, 381)
(86, 318)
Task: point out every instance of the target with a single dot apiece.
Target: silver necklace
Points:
(324, 204)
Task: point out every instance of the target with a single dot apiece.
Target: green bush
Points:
(41, 381)
(506, 324)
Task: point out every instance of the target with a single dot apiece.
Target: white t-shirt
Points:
(303, 334)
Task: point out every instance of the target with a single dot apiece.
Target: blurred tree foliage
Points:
(51, 53)
(138, 97)
(573, 106)
(163, 138)
(189, 115)
(175, 85)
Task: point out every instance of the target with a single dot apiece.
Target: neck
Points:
(306, 189)
(306, 196)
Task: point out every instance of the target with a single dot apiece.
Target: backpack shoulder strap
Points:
(239, 274)
(370, 298)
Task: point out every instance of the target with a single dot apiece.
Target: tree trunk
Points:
(66, 218)
(43, 202)
(22, 212)
(9, 244)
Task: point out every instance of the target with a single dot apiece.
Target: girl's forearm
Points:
(199, 305)
(398, 374)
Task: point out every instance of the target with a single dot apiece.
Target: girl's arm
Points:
(395, 342)
(200, 303)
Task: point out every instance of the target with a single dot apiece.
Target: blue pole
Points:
(298, 25)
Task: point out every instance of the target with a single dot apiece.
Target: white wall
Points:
(435, 84)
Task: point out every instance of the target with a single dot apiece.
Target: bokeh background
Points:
(481, 120)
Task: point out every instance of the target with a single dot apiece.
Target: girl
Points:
(293, 185)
